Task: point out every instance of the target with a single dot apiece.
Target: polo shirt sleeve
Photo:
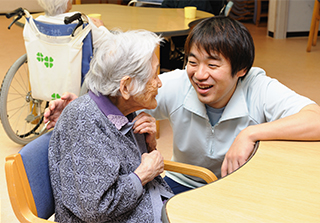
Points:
(273, 98)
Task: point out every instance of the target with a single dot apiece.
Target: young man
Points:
(220, 106)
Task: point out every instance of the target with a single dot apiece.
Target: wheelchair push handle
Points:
(19, 12)
(77, 16)
(68, 20)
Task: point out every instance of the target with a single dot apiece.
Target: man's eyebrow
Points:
(212, 56)
(191, 55)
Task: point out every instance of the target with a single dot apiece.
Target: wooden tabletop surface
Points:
(165, 21)
(281, 183)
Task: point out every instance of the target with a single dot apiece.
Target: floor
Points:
(286, 60)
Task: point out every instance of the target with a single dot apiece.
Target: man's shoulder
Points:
(254, 78)
(254, 72)
(175, 82)
(174, 75)
(177, 78)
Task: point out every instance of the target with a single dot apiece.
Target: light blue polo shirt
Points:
(257, 99)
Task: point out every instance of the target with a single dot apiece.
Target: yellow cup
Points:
(96, 16)
(190, 12)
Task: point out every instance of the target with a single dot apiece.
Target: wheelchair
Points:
(22, 114)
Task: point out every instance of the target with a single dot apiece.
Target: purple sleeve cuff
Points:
(137, 183)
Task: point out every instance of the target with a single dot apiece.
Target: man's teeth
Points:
(205, 87)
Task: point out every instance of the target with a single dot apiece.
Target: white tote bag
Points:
(54, 61)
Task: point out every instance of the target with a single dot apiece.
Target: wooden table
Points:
(281, 183)
(165, 21)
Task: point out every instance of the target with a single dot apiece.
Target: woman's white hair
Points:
(54, 7)
(122, 54)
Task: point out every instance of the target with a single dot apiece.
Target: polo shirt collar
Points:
(121, 122)
(192, 103)
(236, 108)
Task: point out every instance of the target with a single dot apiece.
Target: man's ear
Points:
(241, 73)
(125, 87)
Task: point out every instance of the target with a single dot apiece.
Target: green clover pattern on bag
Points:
(55, 96)
(48, 61)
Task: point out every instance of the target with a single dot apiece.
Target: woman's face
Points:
(147, 99)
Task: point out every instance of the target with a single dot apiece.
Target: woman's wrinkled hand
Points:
(146, 124)
(151, 166)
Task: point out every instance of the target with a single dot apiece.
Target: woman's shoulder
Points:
(57, 19)
(81, 106)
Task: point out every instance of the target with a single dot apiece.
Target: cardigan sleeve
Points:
(86, 167)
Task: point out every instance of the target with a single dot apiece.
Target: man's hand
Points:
(145, 123)
(303, 125)
(151, 166)
(239, 152)
(52, 113)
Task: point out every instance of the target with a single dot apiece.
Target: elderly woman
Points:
(100, 169)
(57, 10)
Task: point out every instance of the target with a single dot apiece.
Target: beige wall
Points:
(10, 5)
(289, 16)
(32, 5)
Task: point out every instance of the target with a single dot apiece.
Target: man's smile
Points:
(204, 87)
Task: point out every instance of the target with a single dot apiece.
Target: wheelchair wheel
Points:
(21, 115)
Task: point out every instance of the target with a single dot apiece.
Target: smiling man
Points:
(220, 106)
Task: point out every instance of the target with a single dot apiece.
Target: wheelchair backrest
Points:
(66, 30)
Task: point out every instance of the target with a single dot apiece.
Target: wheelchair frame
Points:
(21, 114)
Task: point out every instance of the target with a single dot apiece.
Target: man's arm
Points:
(304, 125)
(53, 111)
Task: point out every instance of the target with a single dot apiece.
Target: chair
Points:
(152, 3)
(242, 10)
(226, 9)
(28, 182)
(79, 2)
(29, 186)
(260, 11)
(313, 33)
